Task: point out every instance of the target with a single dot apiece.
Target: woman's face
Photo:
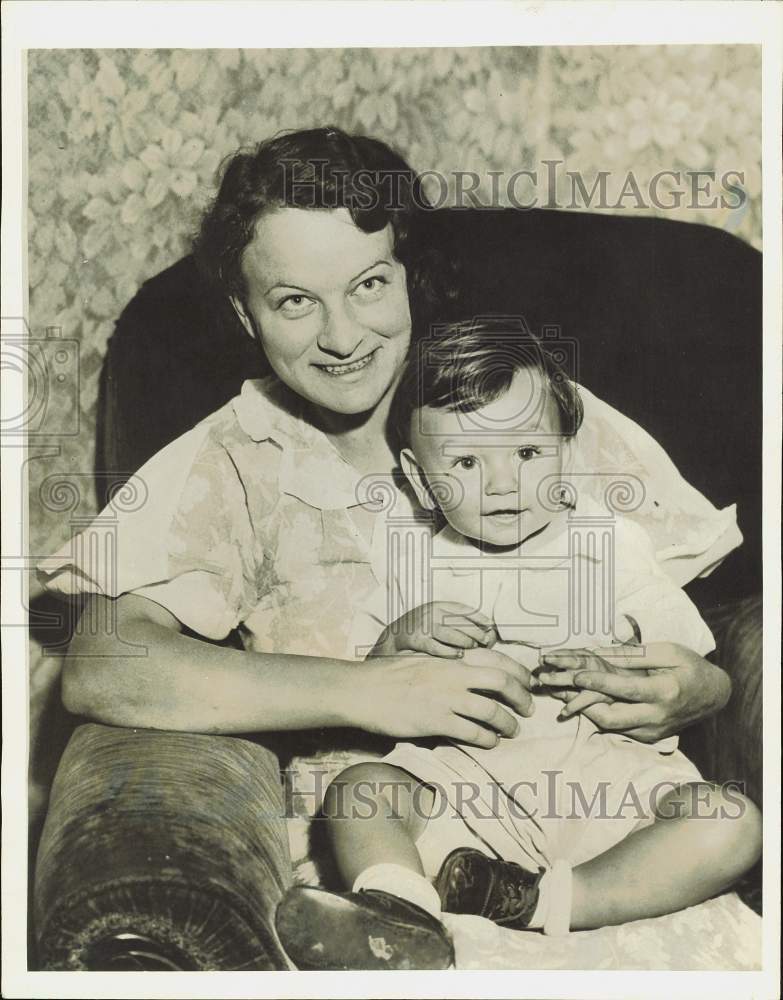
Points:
(330, 304)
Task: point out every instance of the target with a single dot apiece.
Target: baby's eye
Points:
(467, 462)
(526, 452)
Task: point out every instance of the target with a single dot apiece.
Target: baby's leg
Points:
(701, 841)
(375, 812)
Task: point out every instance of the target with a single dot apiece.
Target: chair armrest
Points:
(729, 745)
(739, 744)
(161, 851)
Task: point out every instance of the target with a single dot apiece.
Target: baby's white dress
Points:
(559, 789)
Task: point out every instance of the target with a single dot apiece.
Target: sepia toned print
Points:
(249, 583)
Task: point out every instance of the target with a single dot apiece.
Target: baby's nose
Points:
(500, 477)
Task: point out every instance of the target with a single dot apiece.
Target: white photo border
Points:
(378, 24)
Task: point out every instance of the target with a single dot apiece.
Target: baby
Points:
(541, 821)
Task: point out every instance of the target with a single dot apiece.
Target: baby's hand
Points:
(439, 629)
(559, 669)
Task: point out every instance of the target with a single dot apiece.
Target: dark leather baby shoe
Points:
(471, 882)
(322, 930)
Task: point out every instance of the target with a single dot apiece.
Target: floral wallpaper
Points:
(124, 146)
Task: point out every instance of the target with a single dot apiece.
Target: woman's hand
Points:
(441, 628)
(462, 699)
(648, 692)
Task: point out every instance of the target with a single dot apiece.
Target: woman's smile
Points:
(344, 369)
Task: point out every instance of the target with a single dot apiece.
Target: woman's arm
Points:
(664, 687)
(144, 672)
(182, 683)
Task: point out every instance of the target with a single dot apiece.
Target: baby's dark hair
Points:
(465, 366)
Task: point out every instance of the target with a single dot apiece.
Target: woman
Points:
(265, 516)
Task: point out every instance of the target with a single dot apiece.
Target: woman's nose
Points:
(340, 334)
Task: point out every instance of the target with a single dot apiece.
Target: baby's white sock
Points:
(402, 882)
(553, 911)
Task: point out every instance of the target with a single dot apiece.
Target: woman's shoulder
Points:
(249, 433)
(217, 481)
(230, 459)
(264, 412)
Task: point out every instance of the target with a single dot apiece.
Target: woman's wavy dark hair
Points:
(322, 168)
(465, 366)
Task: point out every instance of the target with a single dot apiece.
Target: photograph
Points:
(385, 485)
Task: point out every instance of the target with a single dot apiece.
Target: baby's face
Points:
(493, 472)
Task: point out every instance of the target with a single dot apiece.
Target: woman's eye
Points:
(526, 452)
(370, 288)
(294, 305)
(468, 462)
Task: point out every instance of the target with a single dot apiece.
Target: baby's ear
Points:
(415, 476)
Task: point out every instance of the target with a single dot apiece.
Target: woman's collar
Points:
(311, 468)
(266, 410)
